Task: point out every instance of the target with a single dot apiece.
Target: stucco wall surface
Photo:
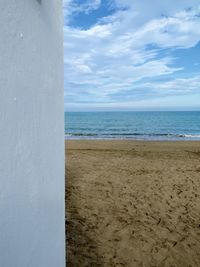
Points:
(31, 134)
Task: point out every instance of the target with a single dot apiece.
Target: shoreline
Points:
(134, 140)
(162, 138)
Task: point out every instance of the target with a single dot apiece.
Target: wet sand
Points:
(133, 203)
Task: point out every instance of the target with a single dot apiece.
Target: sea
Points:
(155, 126)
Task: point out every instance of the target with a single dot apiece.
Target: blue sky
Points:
(132, 55)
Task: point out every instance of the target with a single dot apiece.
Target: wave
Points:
(135, 135)
(192, 135)
(81, 134)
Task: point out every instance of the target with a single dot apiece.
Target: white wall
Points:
(31, 134)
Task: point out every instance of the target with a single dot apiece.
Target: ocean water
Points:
(133, 125)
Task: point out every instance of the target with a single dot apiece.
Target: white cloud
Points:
(114, 54)
(86, 7)
(177, 86)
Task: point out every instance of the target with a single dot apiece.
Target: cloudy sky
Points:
(132, 54)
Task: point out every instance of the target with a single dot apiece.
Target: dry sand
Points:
(133, 203)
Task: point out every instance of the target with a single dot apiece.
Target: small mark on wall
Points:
(39, 1)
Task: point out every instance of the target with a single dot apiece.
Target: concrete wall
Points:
(31, 134)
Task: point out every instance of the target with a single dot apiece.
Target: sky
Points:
(132, 55)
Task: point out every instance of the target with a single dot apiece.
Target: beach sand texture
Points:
(132, 203)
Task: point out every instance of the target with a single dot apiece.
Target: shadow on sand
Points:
(82, 250)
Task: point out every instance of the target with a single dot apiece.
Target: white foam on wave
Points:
(192, 135)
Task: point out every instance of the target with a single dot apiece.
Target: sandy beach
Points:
(132, 203)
